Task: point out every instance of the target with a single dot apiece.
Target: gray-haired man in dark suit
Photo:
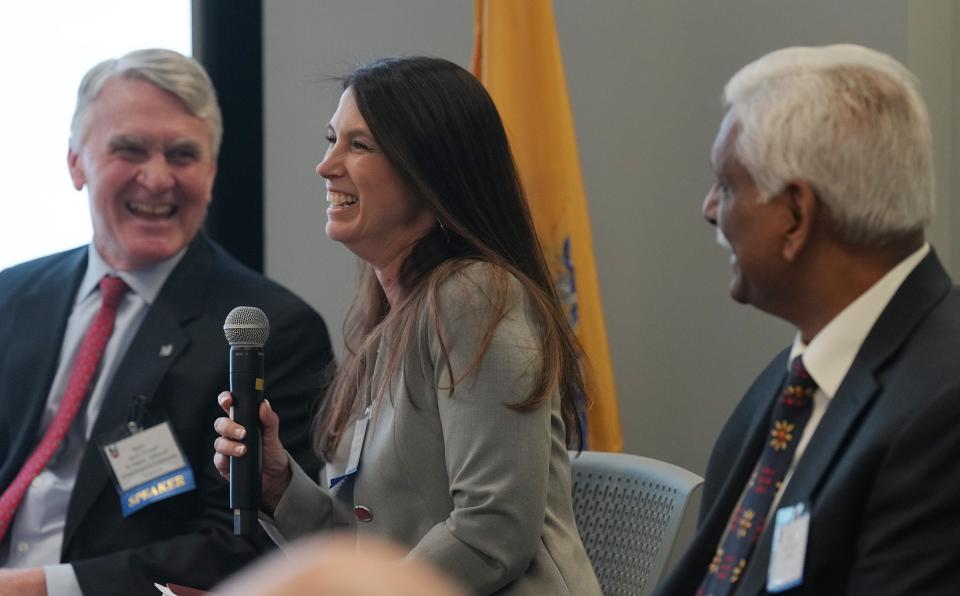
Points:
(144, 142)
(824, 188)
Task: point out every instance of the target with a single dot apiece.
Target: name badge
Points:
(147, 466)
(356, 448)
(789, 549)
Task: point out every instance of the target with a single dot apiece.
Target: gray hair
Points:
(171, 71)
(850, 121)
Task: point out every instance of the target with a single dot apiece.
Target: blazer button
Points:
(363, 514)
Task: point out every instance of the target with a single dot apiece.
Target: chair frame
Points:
(629, 511)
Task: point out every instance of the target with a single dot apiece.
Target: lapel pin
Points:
(166, 350)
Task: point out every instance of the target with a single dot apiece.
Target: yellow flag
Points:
(516, 56)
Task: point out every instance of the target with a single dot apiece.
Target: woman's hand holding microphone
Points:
(275, 462)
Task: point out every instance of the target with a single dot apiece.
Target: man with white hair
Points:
(111, 355)
(838, 471)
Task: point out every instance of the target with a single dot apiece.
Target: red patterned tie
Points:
(88, 358)
(790, 415)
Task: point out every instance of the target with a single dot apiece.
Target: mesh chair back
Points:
(628, 510)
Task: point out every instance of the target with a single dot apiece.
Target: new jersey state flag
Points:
(516, 56)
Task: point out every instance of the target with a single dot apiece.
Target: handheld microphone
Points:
(246, 329)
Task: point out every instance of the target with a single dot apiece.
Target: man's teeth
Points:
(154, 209)
(722, 240)
(338, 199)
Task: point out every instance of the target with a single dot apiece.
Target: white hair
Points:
(848, 120)
(171, 71)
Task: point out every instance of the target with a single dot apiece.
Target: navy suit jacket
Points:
(186, 539)
(881, 474)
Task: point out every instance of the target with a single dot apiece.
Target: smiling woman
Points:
(446, 427)
(383, 227)
(43, 213)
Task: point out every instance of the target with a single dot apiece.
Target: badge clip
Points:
(135, 412)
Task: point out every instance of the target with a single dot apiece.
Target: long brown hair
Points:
(440, 130)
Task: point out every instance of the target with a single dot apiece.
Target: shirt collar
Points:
(830, 354)
(145, 282)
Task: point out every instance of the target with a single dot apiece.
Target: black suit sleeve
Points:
(188, 539)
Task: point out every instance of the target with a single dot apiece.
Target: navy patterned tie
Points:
(746, 523)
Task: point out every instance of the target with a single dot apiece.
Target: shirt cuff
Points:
(61, 580)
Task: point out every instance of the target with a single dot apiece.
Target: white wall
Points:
(45, 49)
(304, 43)
(645, 80)
(933, 27)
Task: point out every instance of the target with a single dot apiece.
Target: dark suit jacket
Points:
(186, 539)
(881, 473)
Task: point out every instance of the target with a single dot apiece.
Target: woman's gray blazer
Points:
(477, 488)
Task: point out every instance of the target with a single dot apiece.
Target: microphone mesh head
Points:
(246, 326)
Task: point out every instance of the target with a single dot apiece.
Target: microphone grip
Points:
(246, 386)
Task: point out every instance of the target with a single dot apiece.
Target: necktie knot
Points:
(800, 386)
(799, 372)
(112, 290)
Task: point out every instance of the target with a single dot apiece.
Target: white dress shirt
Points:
(830, 354)
(35, 537)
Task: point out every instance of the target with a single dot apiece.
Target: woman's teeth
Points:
(338, 199)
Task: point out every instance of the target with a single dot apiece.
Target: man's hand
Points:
(23, 582)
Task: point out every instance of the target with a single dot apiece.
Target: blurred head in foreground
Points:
(333, 567)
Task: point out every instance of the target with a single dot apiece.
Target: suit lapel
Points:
(748, 429)
(926, 286)
(156, 347)
(763, 395)
(839, 422)
(39, 320)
